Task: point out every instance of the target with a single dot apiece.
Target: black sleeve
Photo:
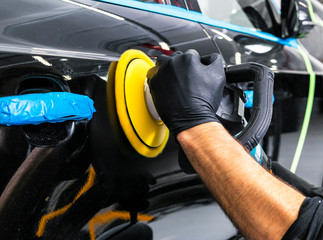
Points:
(309, 224)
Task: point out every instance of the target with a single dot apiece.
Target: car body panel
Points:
(77, 42)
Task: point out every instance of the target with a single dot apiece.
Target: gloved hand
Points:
(187, 89)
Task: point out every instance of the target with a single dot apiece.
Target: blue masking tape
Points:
(40, 108)
(249, 96)
(193, 16)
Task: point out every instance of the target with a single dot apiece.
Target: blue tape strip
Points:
(40, 108)
(249, 96)
(182, 13)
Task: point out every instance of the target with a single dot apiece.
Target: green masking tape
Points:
(312, 14)
(311, 11)
(308, 111)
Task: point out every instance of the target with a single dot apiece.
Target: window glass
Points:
(153, 1)
(254, 14)
(247, 13)
(193, 5)
(178, 3)
(227, 11)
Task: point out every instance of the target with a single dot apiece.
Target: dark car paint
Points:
(79, 44)
(139, 27)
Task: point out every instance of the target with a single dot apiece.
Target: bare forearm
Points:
(260, 205)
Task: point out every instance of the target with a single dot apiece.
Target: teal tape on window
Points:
(193, 16)
(40, 108)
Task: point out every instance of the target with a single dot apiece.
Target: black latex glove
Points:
(187, 89)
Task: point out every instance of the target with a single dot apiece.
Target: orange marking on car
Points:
(104, 218)
(44, 220)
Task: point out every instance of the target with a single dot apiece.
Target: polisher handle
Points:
(250, 136)
(263, 80)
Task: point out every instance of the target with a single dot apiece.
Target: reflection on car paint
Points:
(200, 18)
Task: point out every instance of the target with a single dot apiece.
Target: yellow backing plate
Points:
(147, 135)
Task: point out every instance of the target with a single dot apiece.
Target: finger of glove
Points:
(218, 78)
(194, 54)
(209, 59)
(216, 62)
(162, 59)
(176, 53)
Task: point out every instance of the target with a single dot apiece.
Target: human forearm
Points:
(187, 91)
(297, 182)
(260, 205)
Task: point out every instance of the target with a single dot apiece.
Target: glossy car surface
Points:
(66, 45)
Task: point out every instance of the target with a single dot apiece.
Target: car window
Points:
(154, 1)
(177, 3)
(247, 13)
(228, 11)
(254, 14)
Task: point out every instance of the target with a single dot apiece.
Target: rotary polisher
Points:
(145, 130)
